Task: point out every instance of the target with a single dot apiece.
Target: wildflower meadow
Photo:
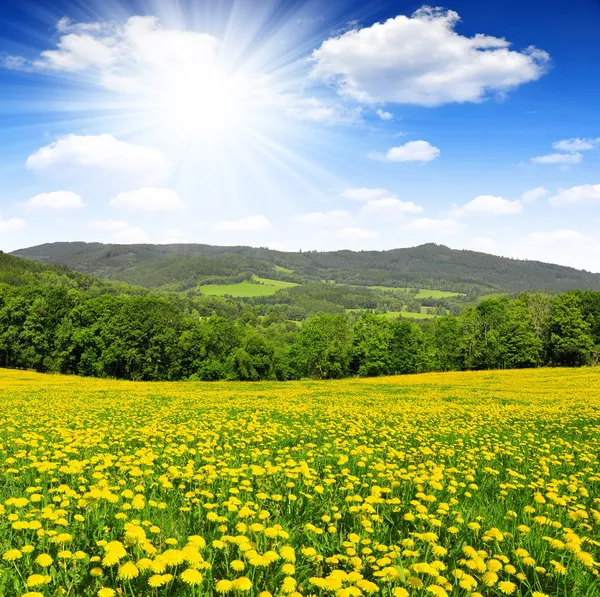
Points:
(466, 484)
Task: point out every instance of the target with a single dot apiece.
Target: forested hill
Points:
(17, 272)
(181, 266)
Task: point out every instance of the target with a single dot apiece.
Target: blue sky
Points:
(294, 125)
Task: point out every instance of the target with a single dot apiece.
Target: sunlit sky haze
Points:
(303, 125)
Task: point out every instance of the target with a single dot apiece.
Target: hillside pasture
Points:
(248, 288)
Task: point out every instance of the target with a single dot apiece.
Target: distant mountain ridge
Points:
(176, 266)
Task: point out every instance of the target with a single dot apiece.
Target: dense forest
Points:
(52, 319)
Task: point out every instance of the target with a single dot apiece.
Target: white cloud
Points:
(365, 194)
(488, 205)
(129, 58)
(443, 225)
(389, 209)
(150, 199)
(178, 71)
(558, 158)
(483, 243)
(103, 154)
(383, 114)
(14, 62)
(413, 151)
(380, 204)
(576, 144)
(56, 200)
(565, 247)
(354, 233)
(314, 109)
(532, 195)
(249, 224)
(587, 194)
(328, 219)
(11, 224)
(120, 231)
(422, 60)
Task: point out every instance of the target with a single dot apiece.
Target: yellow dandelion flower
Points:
(192, 577)
(44, 560)
(128, 571)
(35, 580)
(223, 586)
(507, 587)
(11, 555)
(237, 565)
(173, 557)
(242, 584)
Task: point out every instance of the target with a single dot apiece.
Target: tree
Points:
(570, 342)
(254, 360)
(521, 346)
(322, 349)
(491, 315)
(407, 348)
(447, 345)
(372, 336)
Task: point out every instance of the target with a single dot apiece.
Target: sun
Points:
(208, 99)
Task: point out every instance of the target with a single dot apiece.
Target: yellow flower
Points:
(242, 584)
(288, 585)
(128, 571)
(192, 577)
(400, 592)
(223, 586)
(437, 591)
(158, 580)
(144, 564)
(35, 580)
(237, 565)
(173, 557)
(96, 571)
(415, 582)
(106, 592)
(44, 560)
(490, 579)
(11, 555)
(507, 587)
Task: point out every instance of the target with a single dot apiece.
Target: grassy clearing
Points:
(423, 292)
(256, 287)
(457, 484)
(408, 315)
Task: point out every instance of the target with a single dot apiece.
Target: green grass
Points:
(408, 315)
(423, 292)
(256, 287)
(283, 270)
(396, 314)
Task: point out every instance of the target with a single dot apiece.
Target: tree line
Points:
(151, 337)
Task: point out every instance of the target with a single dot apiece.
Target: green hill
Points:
(429, 266)
(16, 271)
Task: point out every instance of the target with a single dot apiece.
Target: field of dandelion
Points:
(467, 484)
